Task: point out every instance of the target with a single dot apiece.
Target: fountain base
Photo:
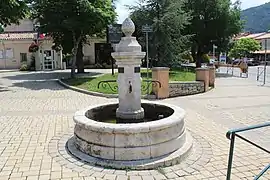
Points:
(130, 116)
(97, 135)
(163, 161)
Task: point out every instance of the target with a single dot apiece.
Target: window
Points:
(23, 57)
(9, 53)
(1, 54)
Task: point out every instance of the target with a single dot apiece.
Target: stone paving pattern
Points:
(35, 110)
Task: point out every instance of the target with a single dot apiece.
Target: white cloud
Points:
(123, 12)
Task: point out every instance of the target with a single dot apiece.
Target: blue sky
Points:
(123, 12)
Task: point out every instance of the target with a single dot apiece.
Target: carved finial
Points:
(128, 27)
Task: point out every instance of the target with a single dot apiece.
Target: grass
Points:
(91, 84)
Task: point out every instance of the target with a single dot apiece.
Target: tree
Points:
(12, 11)
(79, 18)
(168, 19)
(213, 22)
(243, 47)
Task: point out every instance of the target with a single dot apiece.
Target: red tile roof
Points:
(21, 36)
(17, 36)
(265, 36)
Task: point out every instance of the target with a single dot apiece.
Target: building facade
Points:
(15, 43)
(264, 40)
(14, 48)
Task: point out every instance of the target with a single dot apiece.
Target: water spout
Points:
(130, 87)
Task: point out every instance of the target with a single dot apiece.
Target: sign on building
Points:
(114, 33)
(146, 28)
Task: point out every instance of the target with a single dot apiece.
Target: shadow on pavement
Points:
(42, 80)
(39, 85)
(45, 75)
(2, 89)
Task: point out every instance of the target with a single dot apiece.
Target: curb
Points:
(7, 71)
(96, 93)
(85, 91)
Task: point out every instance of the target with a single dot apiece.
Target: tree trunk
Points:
(79, 56)
(76, 42)
(193, 53)
(73, 68)
(199, 57)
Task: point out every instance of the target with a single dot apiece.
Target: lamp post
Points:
(36, 29)
(265, 62)
(4, 46)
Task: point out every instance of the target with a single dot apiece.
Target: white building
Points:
(14, 48)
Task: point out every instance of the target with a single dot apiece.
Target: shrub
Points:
(24, 67)
(33, 48)
(188, 57)
(205, 58)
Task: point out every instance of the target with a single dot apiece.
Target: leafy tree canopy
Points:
(213, 22)
(11, 11)
(243, 47)
(76, 18)
(167, 41)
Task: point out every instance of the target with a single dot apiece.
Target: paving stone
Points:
(37, 115)
(135, 178)
(109, 177)
(122, 177)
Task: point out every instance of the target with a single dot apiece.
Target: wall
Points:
(18, 46)
(25, 25)
(185, 88)
(89, 49)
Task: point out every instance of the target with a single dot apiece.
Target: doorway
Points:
(48, 60)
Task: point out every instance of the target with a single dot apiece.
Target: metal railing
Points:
(230, 68)
(259, 73)
(231, 134)
(112, 85)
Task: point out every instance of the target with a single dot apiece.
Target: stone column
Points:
(212, 76)
(161, 74)
(128, 58)
(37, 60)
(202, 74)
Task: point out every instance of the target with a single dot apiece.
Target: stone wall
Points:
(185, 88)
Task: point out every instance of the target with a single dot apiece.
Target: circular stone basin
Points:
(99, 134)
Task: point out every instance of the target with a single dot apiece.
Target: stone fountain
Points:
(130, 134)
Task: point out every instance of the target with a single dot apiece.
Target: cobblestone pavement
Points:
(36, 117)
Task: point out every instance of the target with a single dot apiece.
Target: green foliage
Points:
(91, 84)
(243, 47)
(187, 57)
(24, 67)
(213, 22)
(168, 18)
(257, 18)
(205, 58)
(73, 20)
(11, 11)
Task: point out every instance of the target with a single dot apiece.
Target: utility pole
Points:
(147, 29)
(265, 62)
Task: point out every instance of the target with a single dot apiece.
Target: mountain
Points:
(257, 19)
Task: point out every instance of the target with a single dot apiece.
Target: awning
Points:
(261, 52)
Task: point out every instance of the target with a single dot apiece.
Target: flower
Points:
(33, 47)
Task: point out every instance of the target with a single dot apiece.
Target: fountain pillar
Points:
(128, 56)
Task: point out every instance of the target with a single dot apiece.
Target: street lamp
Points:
(265, 62)
(4, 46)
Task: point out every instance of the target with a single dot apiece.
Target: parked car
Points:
(252, 62)
(237, 61)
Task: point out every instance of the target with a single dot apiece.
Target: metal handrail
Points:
(259, 73)
(231, 134)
